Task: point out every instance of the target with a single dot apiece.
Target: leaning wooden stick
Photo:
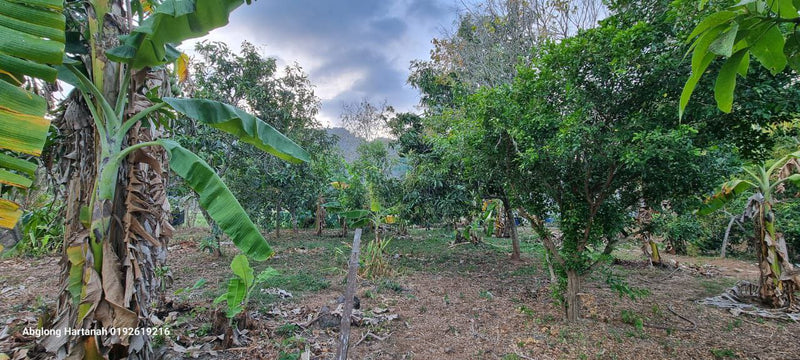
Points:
(349, 293)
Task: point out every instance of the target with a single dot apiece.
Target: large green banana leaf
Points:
(31, 37)
(244, 126)
(173, 21)
(730, 190)
(218, 200)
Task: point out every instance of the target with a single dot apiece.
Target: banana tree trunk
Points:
(117, 217)
(649, 247)
(778, 280)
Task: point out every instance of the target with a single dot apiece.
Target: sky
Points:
(350, 49)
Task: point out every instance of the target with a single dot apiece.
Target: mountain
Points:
(348, 146)
(348, 143)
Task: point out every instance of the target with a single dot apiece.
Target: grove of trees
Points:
(596, 122)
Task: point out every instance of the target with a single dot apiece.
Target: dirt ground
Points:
(441, 302)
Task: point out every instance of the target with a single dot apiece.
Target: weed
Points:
(184, 292)
(526, 310)
(630, 317)
(656, 310)
(452, 330)
(390, 285)
(203, 330)
(446, 299)
(158, 340)
(287, 330)
(615, 335)
(486, 294)
(723, 353)
(546, 319)
(210, 244)
(511, 357)
(293, 342)
(735, 323)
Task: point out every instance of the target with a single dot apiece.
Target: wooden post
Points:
(349, 293)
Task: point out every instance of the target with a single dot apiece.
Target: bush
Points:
(679, 231)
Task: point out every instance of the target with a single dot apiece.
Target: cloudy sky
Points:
(350, 48)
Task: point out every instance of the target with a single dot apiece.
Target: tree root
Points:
(662, 327)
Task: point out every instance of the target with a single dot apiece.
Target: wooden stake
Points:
(349, 293)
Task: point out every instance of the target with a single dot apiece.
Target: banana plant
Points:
(242, 285)
(778, 279)
(117, 230)
(31, 37)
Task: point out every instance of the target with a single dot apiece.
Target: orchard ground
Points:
(451, 302)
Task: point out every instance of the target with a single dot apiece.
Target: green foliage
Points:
(619, 285)
(241, 286)
(632, 318)
(681, 230)
(287, 330)
(172, 22)
(264, 185)
(788, 220)
(302, 281)
(42, 230)
(761, 28)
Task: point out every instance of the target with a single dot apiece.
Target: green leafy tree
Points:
(595, 135)
(288, 103)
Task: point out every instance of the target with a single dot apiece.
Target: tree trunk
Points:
(216, 232)
(343, 223)
(293, 213)
(723, 251)
(572, 300)
(553, 278)
(512, 229)
(278, 219)
(319, 221)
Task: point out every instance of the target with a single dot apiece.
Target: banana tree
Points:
(117, 214)
(778, 280)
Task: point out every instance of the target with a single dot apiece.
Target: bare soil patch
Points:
(468, 302)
